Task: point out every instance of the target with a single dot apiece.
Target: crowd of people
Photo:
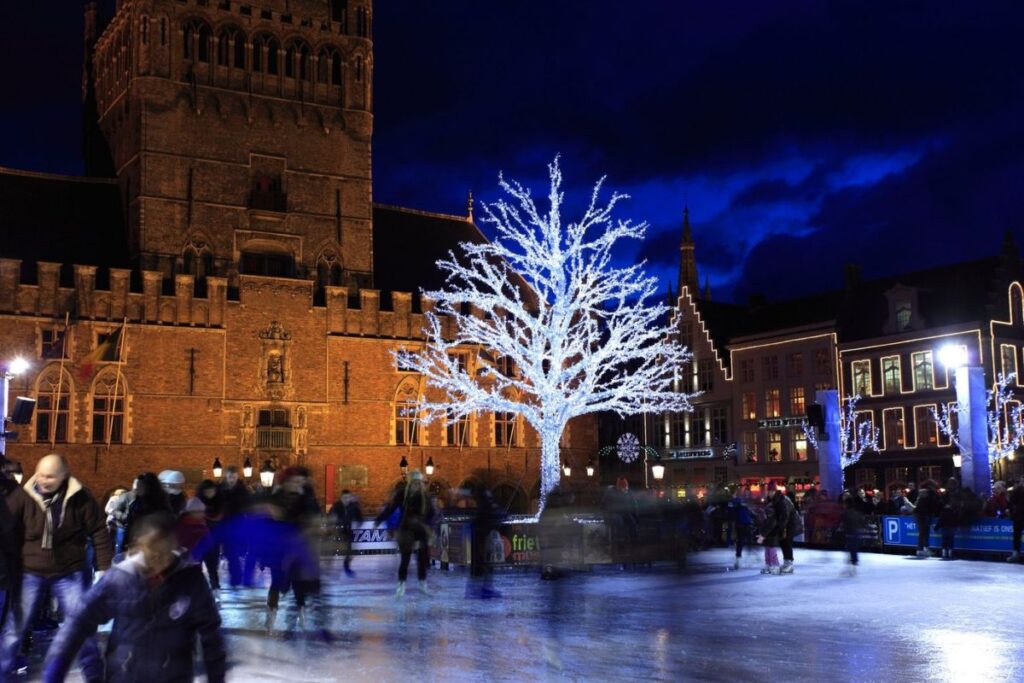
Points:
(150, 557)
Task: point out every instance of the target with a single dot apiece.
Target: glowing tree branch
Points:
(1002, 415)
(856, 437)
(545, 299)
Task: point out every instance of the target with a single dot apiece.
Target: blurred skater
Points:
(346, 513)
(415, 515)
(159, 603)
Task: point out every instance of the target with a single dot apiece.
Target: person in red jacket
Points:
(191, 527)
(57, 516)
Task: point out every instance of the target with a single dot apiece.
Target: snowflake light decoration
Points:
(628, 447)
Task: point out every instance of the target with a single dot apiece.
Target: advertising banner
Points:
(989, 533)
(365, 538)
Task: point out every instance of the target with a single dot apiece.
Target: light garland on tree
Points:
(1005, 434)
(580, 333)
(855, 438)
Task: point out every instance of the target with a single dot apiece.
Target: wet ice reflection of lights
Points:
(966, 657)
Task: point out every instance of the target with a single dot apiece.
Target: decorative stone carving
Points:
(275, 362)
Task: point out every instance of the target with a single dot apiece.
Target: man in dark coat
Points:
(928, 505)
(58, 516)
(159, 604)
(346, 513)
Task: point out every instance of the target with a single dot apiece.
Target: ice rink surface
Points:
(898, 619)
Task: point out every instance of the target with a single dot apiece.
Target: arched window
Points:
(304, 71)
(329, 66)
(224, 47)
(53, 405)
(359, 69)
(108, 402)
(196, 45)
(239, 62)
(407, 427)
(289, 61)
(1016, 303)
(328, 268)
(272, 56)
(258, 44)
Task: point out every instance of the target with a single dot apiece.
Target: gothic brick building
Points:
(228, 218)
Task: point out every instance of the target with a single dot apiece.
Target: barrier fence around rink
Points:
(580, 539)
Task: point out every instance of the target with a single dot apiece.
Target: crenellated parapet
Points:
(47, 298)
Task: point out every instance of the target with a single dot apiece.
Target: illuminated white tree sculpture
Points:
(544, 297)
(1003, 416)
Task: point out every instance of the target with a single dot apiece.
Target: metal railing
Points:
(274, 437)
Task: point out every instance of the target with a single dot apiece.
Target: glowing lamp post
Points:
(658, 470)
(247, 468)
(590, 467)
(267, 475)
(14, 368)
(566, 469)
(218, 469)
(972, 426)
(429, 467)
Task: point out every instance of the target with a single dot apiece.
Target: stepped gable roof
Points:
(61, 219)
(408, 243)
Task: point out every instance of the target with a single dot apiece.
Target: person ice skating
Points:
(173, 482)
(235, 499)
(1016, 512)
(191, 527)
(416, 512)
(159, 604)
(789, 523)
(57, 516)
(742, 520)
(853, 524)
(926, 507)
(210, 496)
(346, 513)
(293, 565)
(768, 535)
(999, 503)
(150, 498)
(950, 515)
(486, 518)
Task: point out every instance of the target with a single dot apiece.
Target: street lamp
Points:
(15, 367)
(429, 467)
(247, 468)
(404, 466)
(267, 475)
(953, 356)
(657, 469)
(958, 460)
(590, 467)
(218, 469)
(566, 469)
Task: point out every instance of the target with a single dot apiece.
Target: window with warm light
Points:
(749, 405)
(925, 428)
(799, 445)
(774, 446)
(406, 427)
(750, 453)
(924, 370)
(861, 371)
(892, 421)
(772, 407)
(891, 378)
(797, 405)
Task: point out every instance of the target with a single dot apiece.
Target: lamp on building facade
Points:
(429, 467)
(566, 469)
(657, 469)
(247, 468)
(218, 469)
(267, 475)
(404, 466)
(13, 368)
(590, 467)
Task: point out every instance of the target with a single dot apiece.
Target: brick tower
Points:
(239, 134)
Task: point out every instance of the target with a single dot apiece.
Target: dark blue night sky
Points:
(802, 135)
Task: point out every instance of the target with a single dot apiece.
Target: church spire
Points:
(687, 259)
(707, 288)
(469, 207)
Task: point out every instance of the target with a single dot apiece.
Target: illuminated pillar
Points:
(972, 430)
(830, 463)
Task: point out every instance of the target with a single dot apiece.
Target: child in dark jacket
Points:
(159, 603)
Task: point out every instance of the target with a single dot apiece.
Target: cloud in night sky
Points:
(802, 135)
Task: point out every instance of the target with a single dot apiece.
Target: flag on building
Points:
(107, 351)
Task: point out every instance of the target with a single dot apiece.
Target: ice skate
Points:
(400, 591)
(850, 570)
(300, 620)
(736, 563)
(1014, 557)
(924, 553)
(787, 567)
(268, 625)
(422, 587)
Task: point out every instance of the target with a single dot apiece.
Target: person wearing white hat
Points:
(173, 483)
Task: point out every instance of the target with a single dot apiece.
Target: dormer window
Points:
(903, 313)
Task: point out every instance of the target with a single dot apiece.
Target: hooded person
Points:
(173, 482)
(159, 604)
(58, 517)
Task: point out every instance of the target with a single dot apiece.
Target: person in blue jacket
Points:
(159, 604)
